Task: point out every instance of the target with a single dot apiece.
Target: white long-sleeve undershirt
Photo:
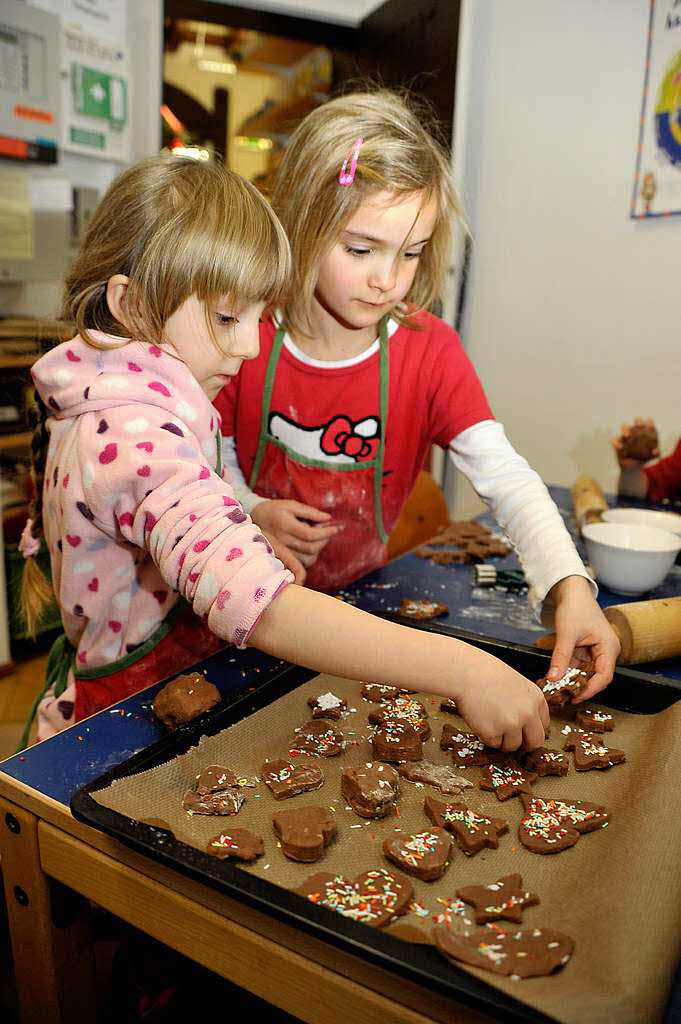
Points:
(515, 495)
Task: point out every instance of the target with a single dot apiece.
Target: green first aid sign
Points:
(99, 94)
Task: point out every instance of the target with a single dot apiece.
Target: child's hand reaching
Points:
(583, 635)
(619, 444)
(304, 530)
(505, 709)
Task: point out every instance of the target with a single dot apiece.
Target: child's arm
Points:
(521, 504)
(324, 634)
(303, 531)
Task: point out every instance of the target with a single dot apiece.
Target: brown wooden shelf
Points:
(10, 442)
(17, 362)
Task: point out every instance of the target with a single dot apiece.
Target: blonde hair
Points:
(176, 228)
(399, 154)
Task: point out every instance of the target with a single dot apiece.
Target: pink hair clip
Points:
(347, 178)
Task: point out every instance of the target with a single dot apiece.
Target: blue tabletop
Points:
(61, 765)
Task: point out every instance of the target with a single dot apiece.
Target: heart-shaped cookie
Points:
(550, 826)
(371, 789)
(304, 832)
(520, 954)
(284, 779)
(424, 854)
(374, 898)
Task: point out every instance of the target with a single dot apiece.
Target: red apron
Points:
(350, 492)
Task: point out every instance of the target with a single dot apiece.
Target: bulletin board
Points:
(657, 182)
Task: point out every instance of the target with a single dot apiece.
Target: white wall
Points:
(573, 310)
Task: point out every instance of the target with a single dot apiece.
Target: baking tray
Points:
(628, 692)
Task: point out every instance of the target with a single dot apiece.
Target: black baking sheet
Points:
(631, 691)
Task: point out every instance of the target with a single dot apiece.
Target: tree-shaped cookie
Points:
(504, 899)
(473, 830)
(559, 691)
(591, 752)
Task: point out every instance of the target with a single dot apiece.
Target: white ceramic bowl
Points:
(629, 558)
(670, 521)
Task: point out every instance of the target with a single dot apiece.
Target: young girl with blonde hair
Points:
(327, 430)
(154, 563)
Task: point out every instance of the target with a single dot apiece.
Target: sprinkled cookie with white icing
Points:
(327, 705)
(559, 691)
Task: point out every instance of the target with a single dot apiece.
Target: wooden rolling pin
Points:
(588, 501)
(647, 630)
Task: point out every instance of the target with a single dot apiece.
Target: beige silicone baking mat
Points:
(617, 892)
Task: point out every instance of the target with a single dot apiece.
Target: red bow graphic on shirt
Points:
(340, 437)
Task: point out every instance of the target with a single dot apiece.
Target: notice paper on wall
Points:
(657, 183)
(95, 76)
(16, 215)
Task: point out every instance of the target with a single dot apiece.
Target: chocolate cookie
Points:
(473, 830)
(449, 558)
(403, 709)
(424, 855)
(559, 691)
(518, 954)
(285, 780)
(449, 706)
(327, 705)
(594, 720)
(184, 698)
(543, 761)
(503, 900)
(379, 692)
(304, 832)
(371, 789)
(375, 897)
(237, 843)
(591, 752)
(467, 748)
(550, 826)
(397, 741)
(214, 778)
(223, 801)
(318, 739)
(421, 610)
(507, 780)
(439, 775)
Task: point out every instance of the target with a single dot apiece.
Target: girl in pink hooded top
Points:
(175, 270)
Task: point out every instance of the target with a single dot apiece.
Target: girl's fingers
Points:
(514, 738)
(304, 532)
(308, 512)
(533, 736)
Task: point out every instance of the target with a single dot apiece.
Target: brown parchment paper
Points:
(617, 892)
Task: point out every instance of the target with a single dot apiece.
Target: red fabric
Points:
(357, 549)
(434, 395)
(664, 477)
(188, 641)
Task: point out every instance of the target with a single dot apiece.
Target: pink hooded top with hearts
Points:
(136, 511)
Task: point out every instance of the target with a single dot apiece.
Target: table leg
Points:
(53, 959)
